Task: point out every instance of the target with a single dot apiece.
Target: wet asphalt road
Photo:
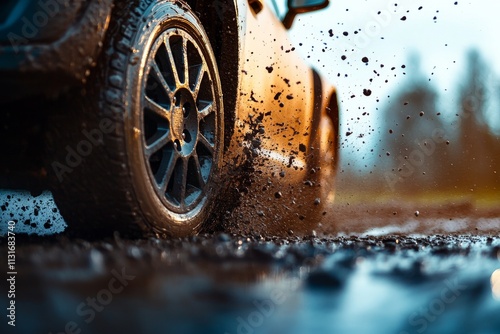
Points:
(225, 283)
(382, 269)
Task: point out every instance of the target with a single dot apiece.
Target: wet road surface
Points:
(223, 283)
(400, 268)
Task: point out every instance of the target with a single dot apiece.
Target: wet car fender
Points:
(286, 126)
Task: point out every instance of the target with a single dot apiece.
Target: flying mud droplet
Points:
(367, 92)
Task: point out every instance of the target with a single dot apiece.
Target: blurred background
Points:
(419, 91)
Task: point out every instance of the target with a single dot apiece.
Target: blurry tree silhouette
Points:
(416, 155)
(424, 151)
(477, 155)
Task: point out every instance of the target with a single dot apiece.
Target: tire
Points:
(152, 119)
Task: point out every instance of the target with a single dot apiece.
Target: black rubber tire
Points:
(112, 188)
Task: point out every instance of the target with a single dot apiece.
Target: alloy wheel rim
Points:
(179, 121)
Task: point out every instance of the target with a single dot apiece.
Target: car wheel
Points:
(152, 126)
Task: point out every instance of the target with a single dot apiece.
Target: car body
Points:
(278, 127)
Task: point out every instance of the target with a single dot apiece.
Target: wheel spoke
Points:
(207, 109)
(157, 108)
(158, 141)
(167, 171)
(159, 76)
(199, 79)
(199, 175)
(204, 141)
(185, 60)
(180, 183)
(171, 58)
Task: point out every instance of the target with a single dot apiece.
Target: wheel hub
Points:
(184, 124)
